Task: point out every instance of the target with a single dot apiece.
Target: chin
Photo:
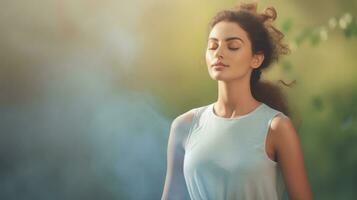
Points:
(219, 77)
(224, 78)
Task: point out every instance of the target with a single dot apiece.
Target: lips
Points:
(219, 64)
(218, 67)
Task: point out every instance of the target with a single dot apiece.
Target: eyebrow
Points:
(228, 39)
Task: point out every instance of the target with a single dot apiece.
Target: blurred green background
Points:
(89, 89)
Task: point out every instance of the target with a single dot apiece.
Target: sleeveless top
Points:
(225, 158)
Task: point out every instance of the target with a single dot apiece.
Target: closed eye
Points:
(233, 49)
(214, 45)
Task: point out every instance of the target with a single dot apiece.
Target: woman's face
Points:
(229, 44)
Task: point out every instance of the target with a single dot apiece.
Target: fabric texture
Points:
(225, 158)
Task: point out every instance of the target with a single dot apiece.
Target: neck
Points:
(235, 98)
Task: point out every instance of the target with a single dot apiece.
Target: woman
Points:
(243, 146)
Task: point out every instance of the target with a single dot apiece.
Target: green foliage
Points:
(314, 38)
(287, 25)
(302, 36)
(346, 22)
(317, 103)
(351, 29)
(331, 127)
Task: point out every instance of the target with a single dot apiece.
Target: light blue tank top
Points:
(225, 158)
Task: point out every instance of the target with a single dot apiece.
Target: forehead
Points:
(224, 29)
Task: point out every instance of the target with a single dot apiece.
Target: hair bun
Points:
(269, 13)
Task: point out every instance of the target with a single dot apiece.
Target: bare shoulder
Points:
(283, 132)
(180, 126)
(281, 122)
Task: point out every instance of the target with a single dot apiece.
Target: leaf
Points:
(287, 25)
(314, 38)
(351, 29)
(302, 36)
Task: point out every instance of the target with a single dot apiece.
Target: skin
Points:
(235, 99)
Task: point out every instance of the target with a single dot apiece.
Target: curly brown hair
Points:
(266, 39)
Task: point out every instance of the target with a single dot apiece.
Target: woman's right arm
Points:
(175, 185)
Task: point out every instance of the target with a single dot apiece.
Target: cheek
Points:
(242, 58)
(208, 57)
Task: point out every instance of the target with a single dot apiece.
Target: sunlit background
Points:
(89, 90)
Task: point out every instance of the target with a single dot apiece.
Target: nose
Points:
(219, 52)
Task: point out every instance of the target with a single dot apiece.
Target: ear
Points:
(257, 60)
